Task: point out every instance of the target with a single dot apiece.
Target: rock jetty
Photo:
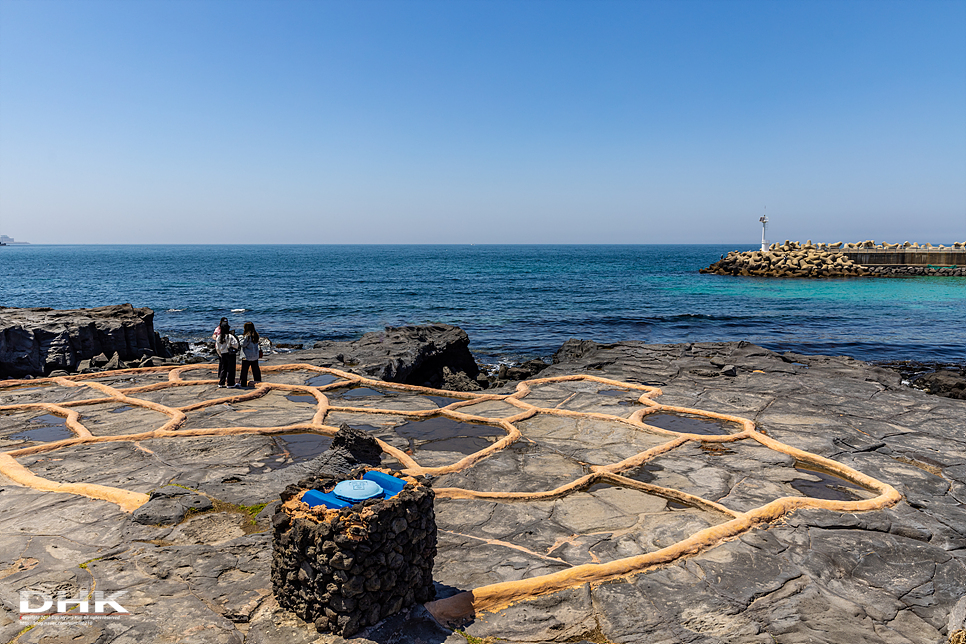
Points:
(789, 260)
(796, 259)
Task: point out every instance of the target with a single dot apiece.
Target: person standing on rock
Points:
(226, 345)
(217, 331)
(251, 352)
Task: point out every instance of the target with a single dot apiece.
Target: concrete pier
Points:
(906, 256)
(864, 259)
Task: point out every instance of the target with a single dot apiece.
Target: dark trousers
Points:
(256, 372)
(226, 369)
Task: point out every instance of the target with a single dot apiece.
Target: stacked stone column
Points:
(347, 569)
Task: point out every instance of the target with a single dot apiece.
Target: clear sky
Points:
(482, 122)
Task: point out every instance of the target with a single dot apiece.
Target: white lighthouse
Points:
(764, 226)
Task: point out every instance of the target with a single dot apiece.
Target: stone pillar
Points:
(347, 569)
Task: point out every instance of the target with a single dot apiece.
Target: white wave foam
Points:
(238, 310)
(174, 310)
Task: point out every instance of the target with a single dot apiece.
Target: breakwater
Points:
(864, 259)
(935, 257)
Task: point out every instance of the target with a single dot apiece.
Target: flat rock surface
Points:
(815, 575)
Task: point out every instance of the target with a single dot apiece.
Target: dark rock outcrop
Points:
(574, 349)
(38, 341)
(656, 364)
(948, 383)
(459, 381)
(413, 355)
(169, 348)
(350, 448)
(946, 379)
(528, 369)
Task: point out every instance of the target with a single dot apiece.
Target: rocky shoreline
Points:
(43, 342)
(895, 574)
(39, 341)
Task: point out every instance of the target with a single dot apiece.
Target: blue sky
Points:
(481, 122)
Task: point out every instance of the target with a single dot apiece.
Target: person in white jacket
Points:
(251, 352)
(226, 346)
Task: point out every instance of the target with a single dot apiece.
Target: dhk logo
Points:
(102, 603)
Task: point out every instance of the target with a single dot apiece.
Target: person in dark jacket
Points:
(251, 352)
(226, 345)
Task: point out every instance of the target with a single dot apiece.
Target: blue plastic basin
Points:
(329, 500)
(355, 491)
(390, 484)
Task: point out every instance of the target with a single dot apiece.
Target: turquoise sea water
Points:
(514, 301)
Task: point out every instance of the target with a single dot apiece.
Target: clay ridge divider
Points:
(885, 490)
(670, 493)
(125, 499)
(490, 597)
(71, 417)
(599, 473)
(85, 376)
(495, 597)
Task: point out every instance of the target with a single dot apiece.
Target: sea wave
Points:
(238, 310)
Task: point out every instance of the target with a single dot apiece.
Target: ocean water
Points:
(515, 301)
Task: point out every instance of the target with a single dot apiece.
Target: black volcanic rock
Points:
(413, 355)
(945, 382)
(41, 340)
(350, 448)
(574, 349)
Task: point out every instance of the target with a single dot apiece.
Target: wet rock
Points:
(169, 505)
(350, 448)
(533, 367)
(167, 348)
(947, 383)
(458, 381)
